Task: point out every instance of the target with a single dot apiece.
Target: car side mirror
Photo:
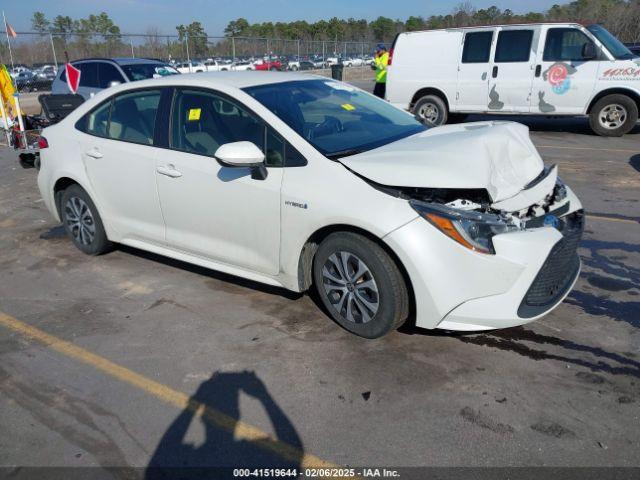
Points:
(114, 83)
(243, 154)
(589, 51)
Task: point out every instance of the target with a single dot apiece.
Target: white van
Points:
(541, 69)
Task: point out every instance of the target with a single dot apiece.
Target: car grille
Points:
(559, 270)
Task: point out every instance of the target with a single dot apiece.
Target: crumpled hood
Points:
(496, 156)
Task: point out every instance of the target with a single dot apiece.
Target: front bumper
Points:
(457, 289)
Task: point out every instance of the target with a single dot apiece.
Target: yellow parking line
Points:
(566, 147)
(613, 219)
(168, 395)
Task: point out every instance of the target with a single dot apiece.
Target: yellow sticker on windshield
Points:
(348, 107)
(194, 114)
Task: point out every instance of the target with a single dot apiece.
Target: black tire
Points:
(392, 307)
(273, 69)
(438, 113)
(75, 196)
(619, 103)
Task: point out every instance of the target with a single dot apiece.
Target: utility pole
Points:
(53, 49)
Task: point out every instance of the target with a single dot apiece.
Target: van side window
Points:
(477, 47)
(133, 116)
(513, 46)
(564, 45)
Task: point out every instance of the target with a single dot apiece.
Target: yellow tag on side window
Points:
(194, 114)
(348, 107)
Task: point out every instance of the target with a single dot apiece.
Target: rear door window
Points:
(477, 47)
(89, 74)
(133, 116)
(513, 46)
(564, 45)
(107, 74)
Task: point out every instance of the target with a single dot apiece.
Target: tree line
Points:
(621, 17)
(99, 35)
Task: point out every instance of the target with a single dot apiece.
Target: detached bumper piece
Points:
(558, 272)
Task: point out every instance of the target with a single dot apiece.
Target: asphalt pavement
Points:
(132, 359)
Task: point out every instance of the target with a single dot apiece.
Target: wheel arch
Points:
(632, 94)
(59, 187)
(310, 247)
(429, 91)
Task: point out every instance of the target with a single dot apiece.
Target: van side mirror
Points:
(243, 154)
(589, 51)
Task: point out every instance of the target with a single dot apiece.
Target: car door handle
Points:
(93, 153)
(494, 73)
(169, 171)
(538, 70)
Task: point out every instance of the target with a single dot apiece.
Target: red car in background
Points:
(268, 64)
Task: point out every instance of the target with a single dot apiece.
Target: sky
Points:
(137, 16)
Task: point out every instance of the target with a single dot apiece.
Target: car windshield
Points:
(143, 71)
(615, 46)
(337, 119)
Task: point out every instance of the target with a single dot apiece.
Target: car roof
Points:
(119, 60)
(239, 79)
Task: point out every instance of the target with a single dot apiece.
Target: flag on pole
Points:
(11, 32)
(73, 77)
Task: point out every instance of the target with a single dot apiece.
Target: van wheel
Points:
(613, 115)
(360, 285)
(431, 111)
(82, 222)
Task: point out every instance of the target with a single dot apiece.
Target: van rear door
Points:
(512, 69)
(474, 71)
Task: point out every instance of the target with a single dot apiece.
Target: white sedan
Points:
(191, 67)
(303, 182)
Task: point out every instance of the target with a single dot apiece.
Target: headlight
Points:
(470, 229)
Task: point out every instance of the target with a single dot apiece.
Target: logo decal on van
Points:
(559, 77)
(629, 73)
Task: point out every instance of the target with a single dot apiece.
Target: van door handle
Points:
(494, 73)
(169, 171)
(538, 70)
(93, 153)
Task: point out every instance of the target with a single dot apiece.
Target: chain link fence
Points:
(33, 58)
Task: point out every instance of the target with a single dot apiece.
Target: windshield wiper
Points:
(343, 153)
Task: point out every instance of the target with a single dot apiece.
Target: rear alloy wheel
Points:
(82, 222)
(613, 115)
(431, 111)
(360, 285)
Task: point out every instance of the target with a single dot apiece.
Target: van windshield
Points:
(337, 119)
(615, 46)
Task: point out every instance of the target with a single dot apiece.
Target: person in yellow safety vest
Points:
(381, 63)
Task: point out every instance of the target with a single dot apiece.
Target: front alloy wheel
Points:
(350, 287)
(360, 285)
(612, 116)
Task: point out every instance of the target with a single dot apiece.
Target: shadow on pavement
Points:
(228, 443)
(539, 123)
